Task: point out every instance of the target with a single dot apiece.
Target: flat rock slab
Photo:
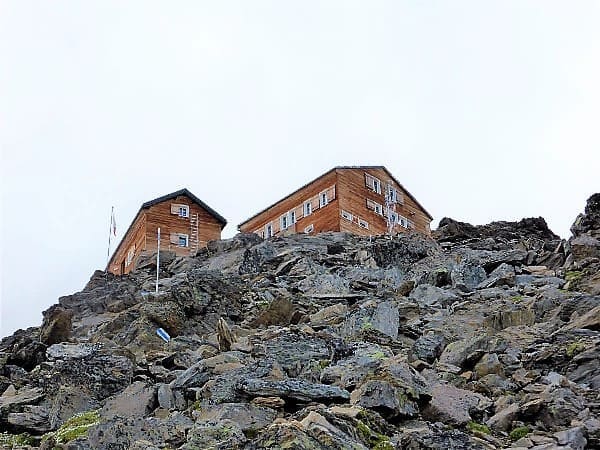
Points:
(295, 389)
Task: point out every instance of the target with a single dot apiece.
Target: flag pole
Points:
(157, 260)
(110, 228)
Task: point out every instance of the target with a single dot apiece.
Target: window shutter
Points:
(174, 208)
(174, 238)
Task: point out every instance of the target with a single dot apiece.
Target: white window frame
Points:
(184, 211)
(186, 239)
(392, 194)
(377, 208)
(394, 217)
(292, 217)
(373, 183)
(323, 200)
(269, 230)
(284, 222)
(309, 229)
(307, 208)
(346, 215)
(363, 224)
(403, 221)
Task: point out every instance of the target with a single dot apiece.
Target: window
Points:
(392, 194)
(180, 210)
(403, 221)
(307, 209)
(322, 199)
(292, 217)
(283, 220)
(373, 183)
(393, 217)
(363, 224)
(309, 229)
(183, 240)
(269, 230)
(374, 206)
(346, 215)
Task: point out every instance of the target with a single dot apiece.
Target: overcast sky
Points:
(484, 110)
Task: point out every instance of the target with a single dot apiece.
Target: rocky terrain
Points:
(484, 337)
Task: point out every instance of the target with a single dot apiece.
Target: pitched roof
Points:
(158, 200)
(327, 173)
(195, 199)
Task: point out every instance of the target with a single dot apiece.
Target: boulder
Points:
(454, 406)
(137, 400)
(293, 389)
(428, 295)
(56, 326)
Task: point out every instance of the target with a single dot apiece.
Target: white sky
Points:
(484, 110)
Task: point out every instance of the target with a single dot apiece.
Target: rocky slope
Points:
(484, 337)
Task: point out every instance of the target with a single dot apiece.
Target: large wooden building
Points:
(186, 224)
(365, 200)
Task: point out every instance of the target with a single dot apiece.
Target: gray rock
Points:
(584, 246)
(454, 406)
(170, 399)
(71, 351)
(222, 435)
(122, 432)
(503, 275)
(294, 389)
(349, 372)
(467, 276)
(250, 418)
(503, 419)
(70, 400)
(488, 364)
(137, 400)
(456, 353)
(428, 347)
(384, 398)
(195, 376)
(573, 437)
(386, 319)
(33, 419)
(428, 295)
(57, 325)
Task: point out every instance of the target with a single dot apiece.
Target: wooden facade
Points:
(186, 224)
(365, 200)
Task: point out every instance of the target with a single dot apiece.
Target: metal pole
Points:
(157, 260)
(109, 233)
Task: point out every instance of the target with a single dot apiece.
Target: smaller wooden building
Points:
(364, 200)
(186, 224)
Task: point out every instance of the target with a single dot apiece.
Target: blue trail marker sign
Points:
(163, 335)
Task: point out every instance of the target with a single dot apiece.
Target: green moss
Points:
(197, 405)
(366, 325)
(324, 363)
(76, 426)
(518, 433)
(573, 275)
(16, 440)
(574, 347)
(474, 426)
(378, 355)
(516, 298)
(376, 441)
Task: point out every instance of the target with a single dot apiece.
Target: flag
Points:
(113, 222)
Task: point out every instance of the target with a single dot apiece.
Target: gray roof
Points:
(195, 199)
